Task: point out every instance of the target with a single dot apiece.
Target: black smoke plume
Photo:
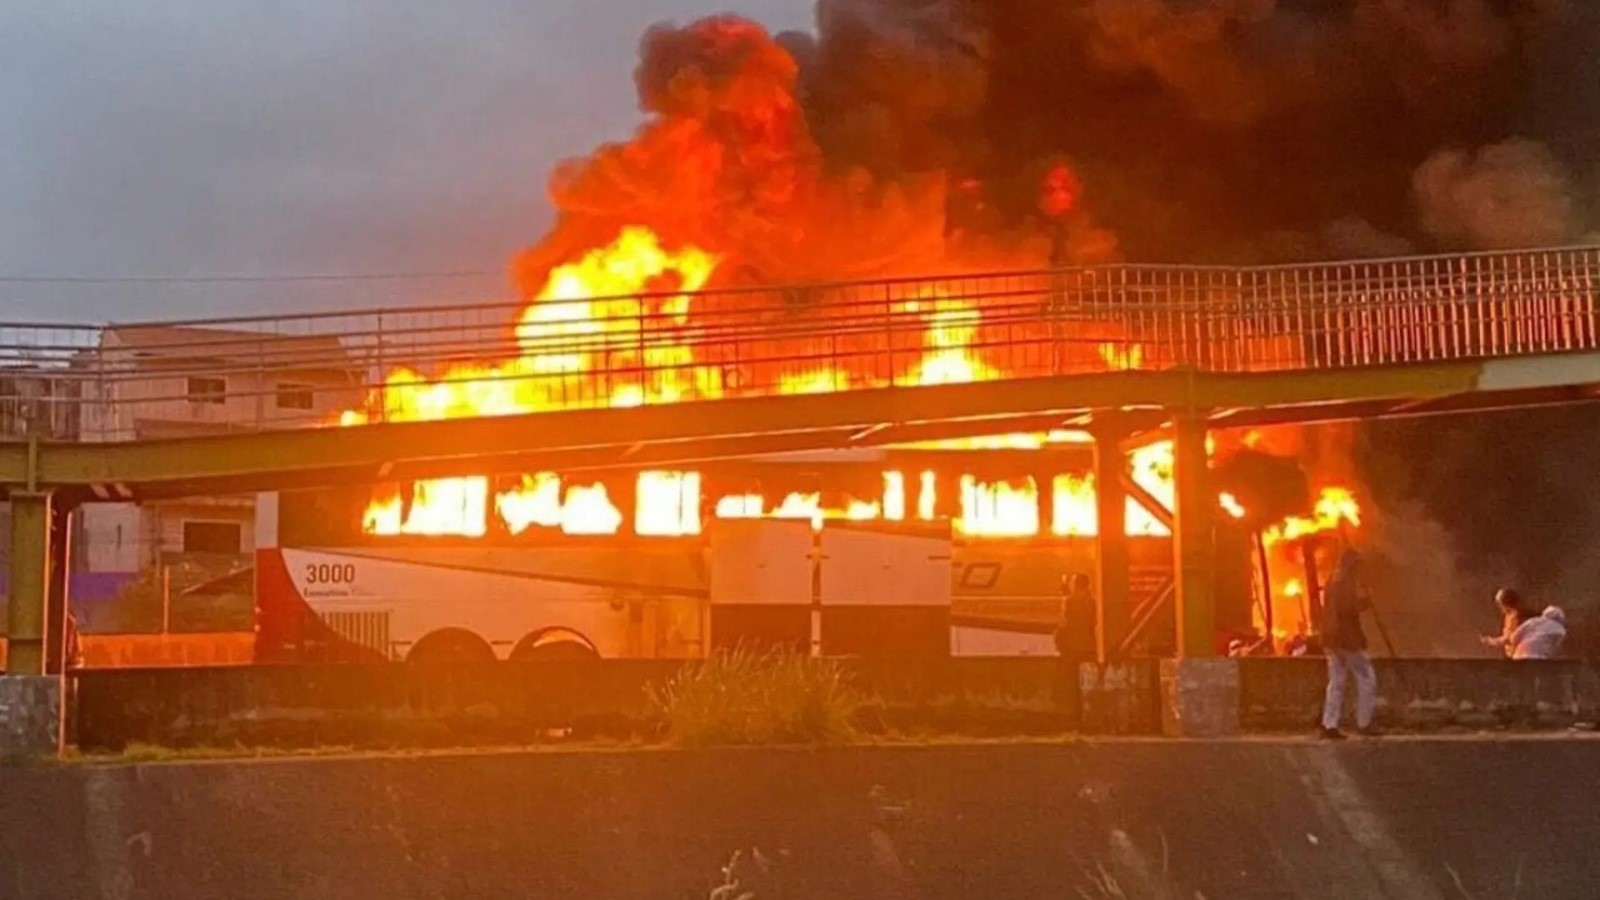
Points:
(906, 137)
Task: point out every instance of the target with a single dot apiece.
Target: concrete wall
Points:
(1414, 819)
(385, 706)
(391, 706)
(124, 651)
(114, 537)
(1428, 694)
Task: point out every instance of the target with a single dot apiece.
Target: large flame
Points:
(621, 307)
(627, 307)
(1335, 511)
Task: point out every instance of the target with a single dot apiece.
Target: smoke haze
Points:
(1224, 130)
(907, 137)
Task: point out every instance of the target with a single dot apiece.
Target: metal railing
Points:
(153, 379)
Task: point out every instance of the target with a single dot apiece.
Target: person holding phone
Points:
(1345, 642)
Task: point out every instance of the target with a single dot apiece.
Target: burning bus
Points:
(958, 546)
(876, 553)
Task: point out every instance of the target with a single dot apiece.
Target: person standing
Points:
(1075, 632)
(1345, 643)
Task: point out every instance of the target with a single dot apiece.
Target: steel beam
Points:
(243, 462)
(30, 582)
(957, 410)
(1146, 500)
(57, 599)
(1193, 541)
(1111, 541)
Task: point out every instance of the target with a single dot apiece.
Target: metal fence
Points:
(151, 379)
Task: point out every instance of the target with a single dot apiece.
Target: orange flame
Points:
(1336, 507)
(668, 504)
(1074, 512)
(999, 509)
(542, 500)
(1231, 505)
(1122, 357)
(625, 307)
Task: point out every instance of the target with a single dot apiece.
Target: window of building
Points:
(206, 389)
(295, 395)
(212, 537)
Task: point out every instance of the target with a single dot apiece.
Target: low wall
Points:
(1428, 694)
(1419, 819)
(382, 706)
(129, 651)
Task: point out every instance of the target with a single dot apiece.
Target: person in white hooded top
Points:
(1540, 637)
(1528, 636)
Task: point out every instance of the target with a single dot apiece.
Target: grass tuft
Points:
(747, 698)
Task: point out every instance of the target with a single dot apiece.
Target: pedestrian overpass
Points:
(1119, 351)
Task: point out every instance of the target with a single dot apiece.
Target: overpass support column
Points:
(1195, 562)
(1111, 541)
(30, 700)
(31, 572)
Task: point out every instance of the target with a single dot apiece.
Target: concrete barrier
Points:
(1199, 697)
(136, 651)
(30, 716)
(1414, 819)
(496, 704)
(1422, 695)
(384, 706)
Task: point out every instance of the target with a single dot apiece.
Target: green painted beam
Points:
(30, 582)
(1193, 543)
(1112, 567)
(689, 432)
(981, 407)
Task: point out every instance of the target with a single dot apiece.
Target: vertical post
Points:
(56, 599)
(166, 599)
(1056, 305)
(1193, 539)
(1313, 593)
(261, 385)
(30, 582)
(1268, 622)
(1111, 542)
(1045, 495)
(624, 488)
(947, 495)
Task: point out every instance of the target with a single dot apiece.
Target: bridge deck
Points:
(716, 374)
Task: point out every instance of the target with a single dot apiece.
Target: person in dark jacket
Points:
(1345, 643)
(1075, 633)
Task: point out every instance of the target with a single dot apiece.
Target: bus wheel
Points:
(553, 644)
(451, 645)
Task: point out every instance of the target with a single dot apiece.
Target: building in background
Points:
(145, 382)
(40, 401)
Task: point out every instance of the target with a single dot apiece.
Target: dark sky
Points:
(226, 137)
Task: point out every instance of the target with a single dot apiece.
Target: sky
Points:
(200, 138)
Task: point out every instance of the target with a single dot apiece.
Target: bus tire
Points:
(554, 644)
(451, 645)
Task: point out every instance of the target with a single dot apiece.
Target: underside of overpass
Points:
(686, 433)
(44, 481)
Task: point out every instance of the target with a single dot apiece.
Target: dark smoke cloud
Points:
(1200, 130)
(726, 160)
(1511, 194)
(906, 137)
(1243, 129)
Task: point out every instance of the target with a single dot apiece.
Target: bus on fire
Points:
(341, 577)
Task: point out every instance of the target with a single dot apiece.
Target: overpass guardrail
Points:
(121, 382)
